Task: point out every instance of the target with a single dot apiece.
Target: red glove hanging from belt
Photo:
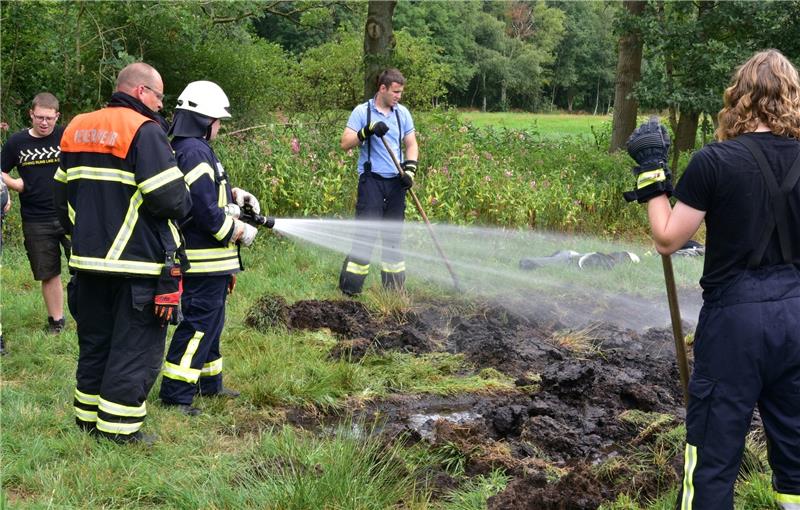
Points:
(168, 293)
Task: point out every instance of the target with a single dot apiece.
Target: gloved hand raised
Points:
(242, 197)
(649, 147)
(376, 128)
(410, 169)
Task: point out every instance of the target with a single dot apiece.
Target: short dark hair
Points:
(390, 76)
(45, 100)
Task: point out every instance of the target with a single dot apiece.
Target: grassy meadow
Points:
(245, 453)
(548, 125)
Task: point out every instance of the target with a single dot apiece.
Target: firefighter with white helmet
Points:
(214, 234)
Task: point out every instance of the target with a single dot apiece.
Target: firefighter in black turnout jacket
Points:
(381, 190)
(116, 190)
(213, 235)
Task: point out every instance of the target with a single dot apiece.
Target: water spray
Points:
(421, 211)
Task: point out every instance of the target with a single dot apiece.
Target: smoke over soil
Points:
(583, 397)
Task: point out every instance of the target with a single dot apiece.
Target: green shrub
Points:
(507, 178)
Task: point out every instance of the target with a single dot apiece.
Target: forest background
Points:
(293, 71)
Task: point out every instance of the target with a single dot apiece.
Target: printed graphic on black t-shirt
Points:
(36, 161)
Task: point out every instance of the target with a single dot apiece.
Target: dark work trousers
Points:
(747, 353)
(121, 347)
(194, 363)
(379, 198)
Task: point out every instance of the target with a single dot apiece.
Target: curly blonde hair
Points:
(766, 88)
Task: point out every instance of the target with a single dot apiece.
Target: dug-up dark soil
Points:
(564, 430)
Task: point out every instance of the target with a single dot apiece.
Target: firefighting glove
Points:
(232, 210)
(376, 128)
(242, 197)
(649, 147)
(168, 294)
(244, 232)
(410, 170)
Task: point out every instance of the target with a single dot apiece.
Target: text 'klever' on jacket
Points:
(208, 230)
(116, 189)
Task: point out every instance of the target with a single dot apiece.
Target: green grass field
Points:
(550, 125)
(244, 453)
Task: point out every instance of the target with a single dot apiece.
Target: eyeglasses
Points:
(44, 118)
(159, 95)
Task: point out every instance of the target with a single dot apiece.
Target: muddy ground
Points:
(585, 397)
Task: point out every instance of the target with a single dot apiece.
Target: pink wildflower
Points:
(295, 145)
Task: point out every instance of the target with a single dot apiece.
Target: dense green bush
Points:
(468, 176)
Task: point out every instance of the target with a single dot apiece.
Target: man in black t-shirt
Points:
(34, 153)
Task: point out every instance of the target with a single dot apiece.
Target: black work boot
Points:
(226, 393)
(393, 281)
(351, 283)
(187, 409)
(55, 327)
(137, 437)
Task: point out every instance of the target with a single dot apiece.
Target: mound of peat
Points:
(565, 413)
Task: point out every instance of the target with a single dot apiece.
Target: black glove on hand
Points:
(376, 128)
(649, 147)
(410, 169)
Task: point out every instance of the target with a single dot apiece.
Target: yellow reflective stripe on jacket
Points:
(112, 427)
(788, 501)
(176, 236)
(126, 230)
(689, 464)
(60, 175)
(397, 267)
(83, 414)
(122, 410)
(199, 171)
(354, 268)
(212, 253)
(71, 213)
(115, 266)
(160, 179)
(213, 266)
(220, 234)
(85, 398)
(222, 194)
(212, 368)
(101, 174)
(173, 371)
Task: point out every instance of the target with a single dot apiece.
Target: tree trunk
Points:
(629, 71)
(685, 135)
(503, 96)
(597, 97)
(379, 43)
(483, 91)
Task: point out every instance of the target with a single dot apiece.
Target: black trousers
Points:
(121, 350)
(194, 363)
(747, 354)
(379, 198)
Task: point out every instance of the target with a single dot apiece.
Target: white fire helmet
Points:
(206, 98)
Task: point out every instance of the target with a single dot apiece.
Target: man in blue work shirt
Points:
(381, 190)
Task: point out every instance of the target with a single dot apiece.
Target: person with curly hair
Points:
(747, 342)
